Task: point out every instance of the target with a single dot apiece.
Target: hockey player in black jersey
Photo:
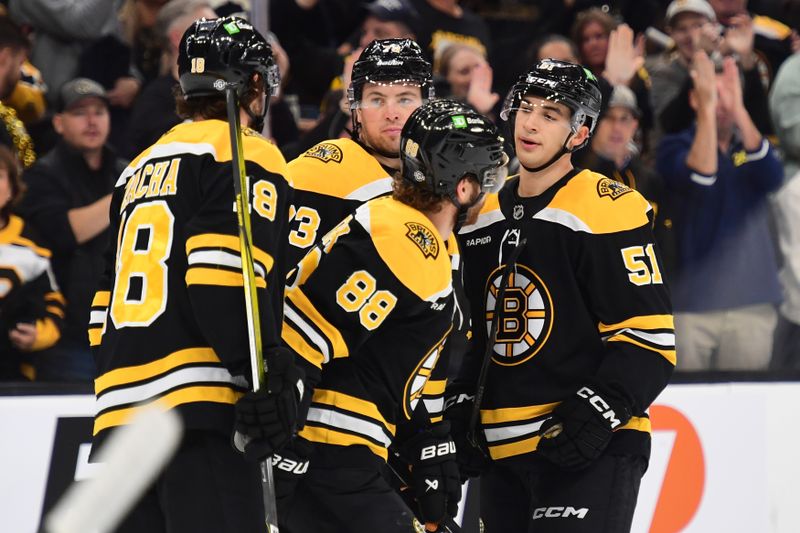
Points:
(366, 313)
(564, 277)
(168, 323)
(390, 79)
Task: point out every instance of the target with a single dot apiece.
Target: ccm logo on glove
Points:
(600, 405)
(437, 450)
(289, 465)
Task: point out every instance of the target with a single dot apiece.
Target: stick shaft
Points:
(258, 368)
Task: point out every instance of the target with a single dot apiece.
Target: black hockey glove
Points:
(267, 419)
(472, 460)
(289, 465)
(434, 472)
(580, 428)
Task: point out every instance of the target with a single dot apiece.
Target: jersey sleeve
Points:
(214, 278)
(98, 311)
(322, 308)
(622, 280)
(51, 321)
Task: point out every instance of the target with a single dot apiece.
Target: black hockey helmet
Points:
(217, 52)
(559, 81)
(444, 140)
(390, 61)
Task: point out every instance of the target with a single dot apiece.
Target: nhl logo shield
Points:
(518, 212)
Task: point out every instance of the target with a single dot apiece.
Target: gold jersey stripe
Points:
(515, 414)
(95, 336)
(101, 299)
(298, 344)
(434, 387)
(58, 311)
(221, 240)
(57, 297)
(132, 374)
(669, 355)
(173, 399)
(337, 438)
(502, 451)
(638, 423)
(214, 276)
(640, 322)
(352, 404)
(47, 334)
(332, 334)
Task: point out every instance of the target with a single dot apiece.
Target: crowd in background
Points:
(701, 115)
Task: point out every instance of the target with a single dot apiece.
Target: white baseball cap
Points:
(701, 7)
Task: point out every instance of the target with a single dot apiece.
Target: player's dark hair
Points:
(212, 106)
(419, 198)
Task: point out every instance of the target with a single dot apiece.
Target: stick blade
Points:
(132, 457)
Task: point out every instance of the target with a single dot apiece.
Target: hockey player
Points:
(367, 313)
(563, 273)
(390, 79)
(168, 323)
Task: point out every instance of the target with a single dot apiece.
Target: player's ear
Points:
(579, 137)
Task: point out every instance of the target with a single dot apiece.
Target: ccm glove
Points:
(580, 428)
(266, 420)
(289, 465)
(472, 460)
(434, 472)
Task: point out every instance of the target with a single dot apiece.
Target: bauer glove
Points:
(434, 472)
(266, 420)
(581, 427)
(289, 465)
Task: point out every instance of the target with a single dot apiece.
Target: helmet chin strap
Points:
(257, 121)
(563, 150)
(463, 209)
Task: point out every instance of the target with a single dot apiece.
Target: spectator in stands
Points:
(613, 152)
(125, 61)
(693, 26)
(444, 22)
(553, 46)
(154, 112)
(785, 108)
(611, 52)
(379, 19)
(68, 200)
(468, 76)
(62, 31)
(31, 307)
(13, 46)
(720, 172)
(774, 41)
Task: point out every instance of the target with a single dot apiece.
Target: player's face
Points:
(84, 126)
(382, 112)
(472, 212)
(540, 129)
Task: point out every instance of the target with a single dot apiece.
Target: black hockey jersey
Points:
(168, 322)
(28, 293)
(586, 303)
(331, 180)
(367, 312)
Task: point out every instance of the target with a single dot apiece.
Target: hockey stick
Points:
(490, 340)
(131, 459)
(257, 365)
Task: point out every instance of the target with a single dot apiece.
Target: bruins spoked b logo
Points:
(525, 315)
